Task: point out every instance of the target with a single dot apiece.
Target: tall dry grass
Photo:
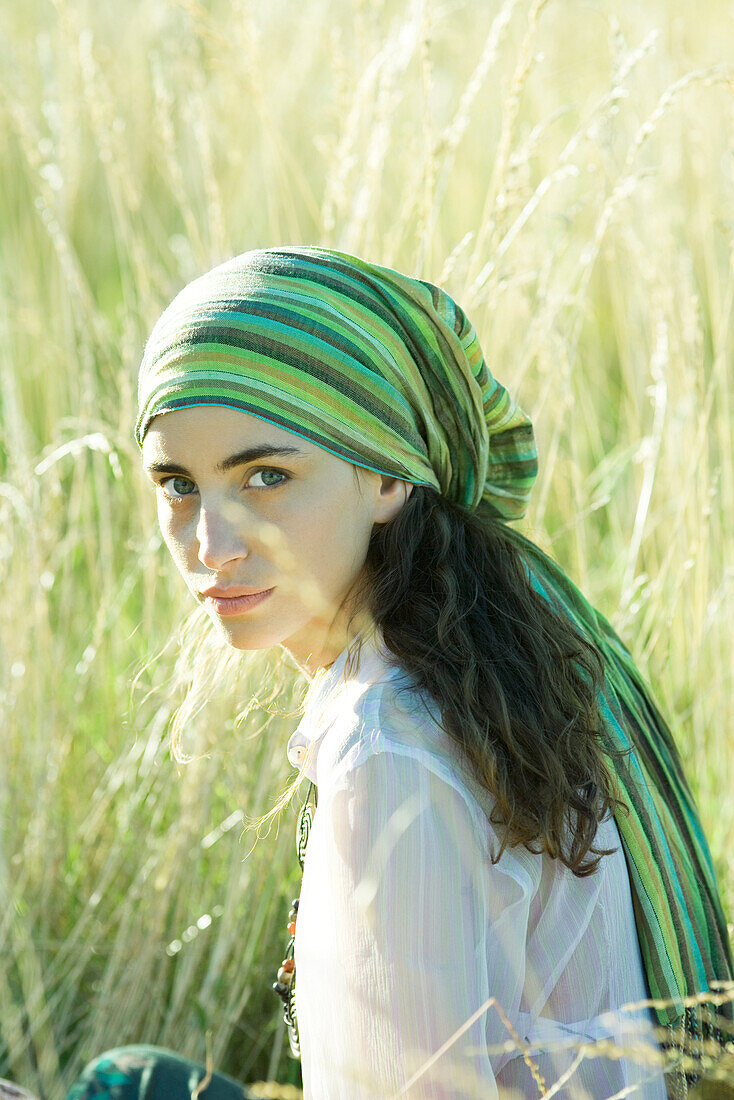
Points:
(566, 170)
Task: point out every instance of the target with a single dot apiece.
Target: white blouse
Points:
(416, 957)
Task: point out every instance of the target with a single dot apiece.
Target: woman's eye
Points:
(177, 487)
(267, 478)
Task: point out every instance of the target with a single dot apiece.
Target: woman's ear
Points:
(392, 493)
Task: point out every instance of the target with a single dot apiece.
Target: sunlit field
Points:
(566, 170)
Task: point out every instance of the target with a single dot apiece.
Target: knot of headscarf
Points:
(381, 369)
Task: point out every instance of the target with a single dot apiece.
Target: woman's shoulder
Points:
(391, 716)
(391, 752)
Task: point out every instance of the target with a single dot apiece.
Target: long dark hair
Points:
(515, 682)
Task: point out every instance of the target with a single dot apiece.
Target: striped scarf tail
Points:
(680, 921)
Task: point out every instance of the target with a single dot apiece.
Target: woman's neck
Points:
(319, 652)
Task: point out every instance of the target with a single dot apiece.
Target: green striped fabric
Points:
(383, 370)
(680, 922)
(387, 372)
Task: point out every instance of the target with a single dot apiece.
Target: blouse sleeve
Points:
(405, 931)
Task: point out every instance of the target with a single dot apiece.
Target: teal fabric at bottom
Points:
(151, 1073)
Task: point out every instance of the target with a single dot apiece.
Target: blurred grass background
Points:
(566, 169)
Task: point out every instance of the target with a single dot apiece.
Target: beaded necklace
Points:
(285, 986)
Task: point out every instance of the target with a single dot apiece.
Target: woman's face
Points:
(246, 507)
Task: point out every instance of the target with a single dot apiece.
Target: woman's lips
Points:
(236, 605)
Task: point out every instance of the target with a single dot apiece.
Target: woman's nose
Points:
(220, 537)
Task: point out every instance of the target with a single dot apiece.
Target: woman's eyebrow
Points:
(250, 454)
(166, 468)
(253, 454)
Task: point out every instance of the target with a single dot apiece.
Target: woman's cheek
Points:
(174, 536)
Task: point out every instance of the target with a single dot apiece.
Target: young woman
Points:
(505, 851)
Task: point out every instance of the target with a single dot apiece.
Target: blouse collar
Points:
(334, 690)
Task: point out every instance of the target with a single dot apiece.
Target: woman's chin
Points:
(311, 642)
(244, 636)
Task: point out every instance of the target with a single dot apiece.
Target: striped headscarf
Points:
(383, 370)
(386, 371)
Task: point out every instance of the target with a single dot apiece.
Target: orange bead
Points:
(292, 928)
(289, 965)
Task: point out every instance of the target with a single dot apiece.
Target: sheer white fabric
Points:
(406, 929)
